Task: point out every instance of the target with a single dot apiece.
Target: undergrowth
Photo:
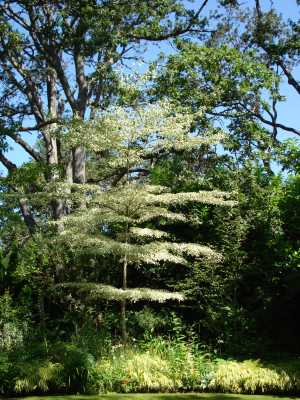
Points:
(157, 366)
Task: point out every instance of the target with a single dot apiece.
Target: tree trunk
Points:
(125, 266)
(123, 302)
(27, 215)
(123, 320)
(69, 178)
(49, 131)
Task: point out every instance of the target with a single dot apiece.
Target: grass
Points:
(159, 396)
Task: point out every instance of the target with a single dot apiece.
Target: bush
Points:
(11, 331)
(37, 375)
(6, 375)
(250, 377)
(76, 364)
(103, 378)
(161, 366)
(292, 368)
(62, 368)
(150, 373)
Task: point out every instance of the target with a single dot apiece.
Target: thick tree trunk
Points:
(49, 132)
(69, 179)
(79, 154)
(79, 165)
(27, 215)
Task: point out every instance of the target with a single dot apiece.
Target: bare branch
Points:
(26, 147)
(290, 77)
(38, 127)
(8, 164)
(273, 124)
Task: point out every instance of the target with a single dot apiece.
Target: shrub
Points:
(62, 368)
(11, 332)
(102, 377)
(150, 373)
(76, 364)
(6, 375)
(188, 365)
(162, 365)
(250, 377)
(37, 375)
(292, 368)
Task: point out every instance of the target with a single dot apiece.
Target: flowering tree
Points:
(125, 202)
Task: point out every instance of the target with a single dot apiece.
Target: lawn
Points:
(159, 396)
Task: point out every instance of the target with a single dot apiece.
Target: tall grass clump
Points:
(149, 372)
(76, 362)
(251, 377)
(157, 366)
(107, 374)
(129, 369)
(292, 368)
(37, 376)
(189, 366)
(61, 368)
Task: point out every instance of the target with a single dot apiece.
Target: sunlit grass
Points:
(159, 396)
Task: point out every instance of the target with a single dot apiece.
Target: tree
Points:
(237, 74)
(43, 43)
(230, 84)
(115, 220)
(281, 50)
(276, 43)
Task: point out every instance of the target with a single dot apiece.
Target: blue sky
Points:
(288, 112)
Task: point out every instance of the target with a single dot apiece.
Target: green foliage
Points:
(32, 176)
(149, 213)
(13, 258)
(6, 374)
(63, 367)
(227, 82)
(288, 155)
(158, 366)
(76, 363)
(251, 377)
(162, 365)
(150, 321)
(114, 219)
(105, 378)
(37, 375)
(150, 373)
(11, 330)
(2, 266)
